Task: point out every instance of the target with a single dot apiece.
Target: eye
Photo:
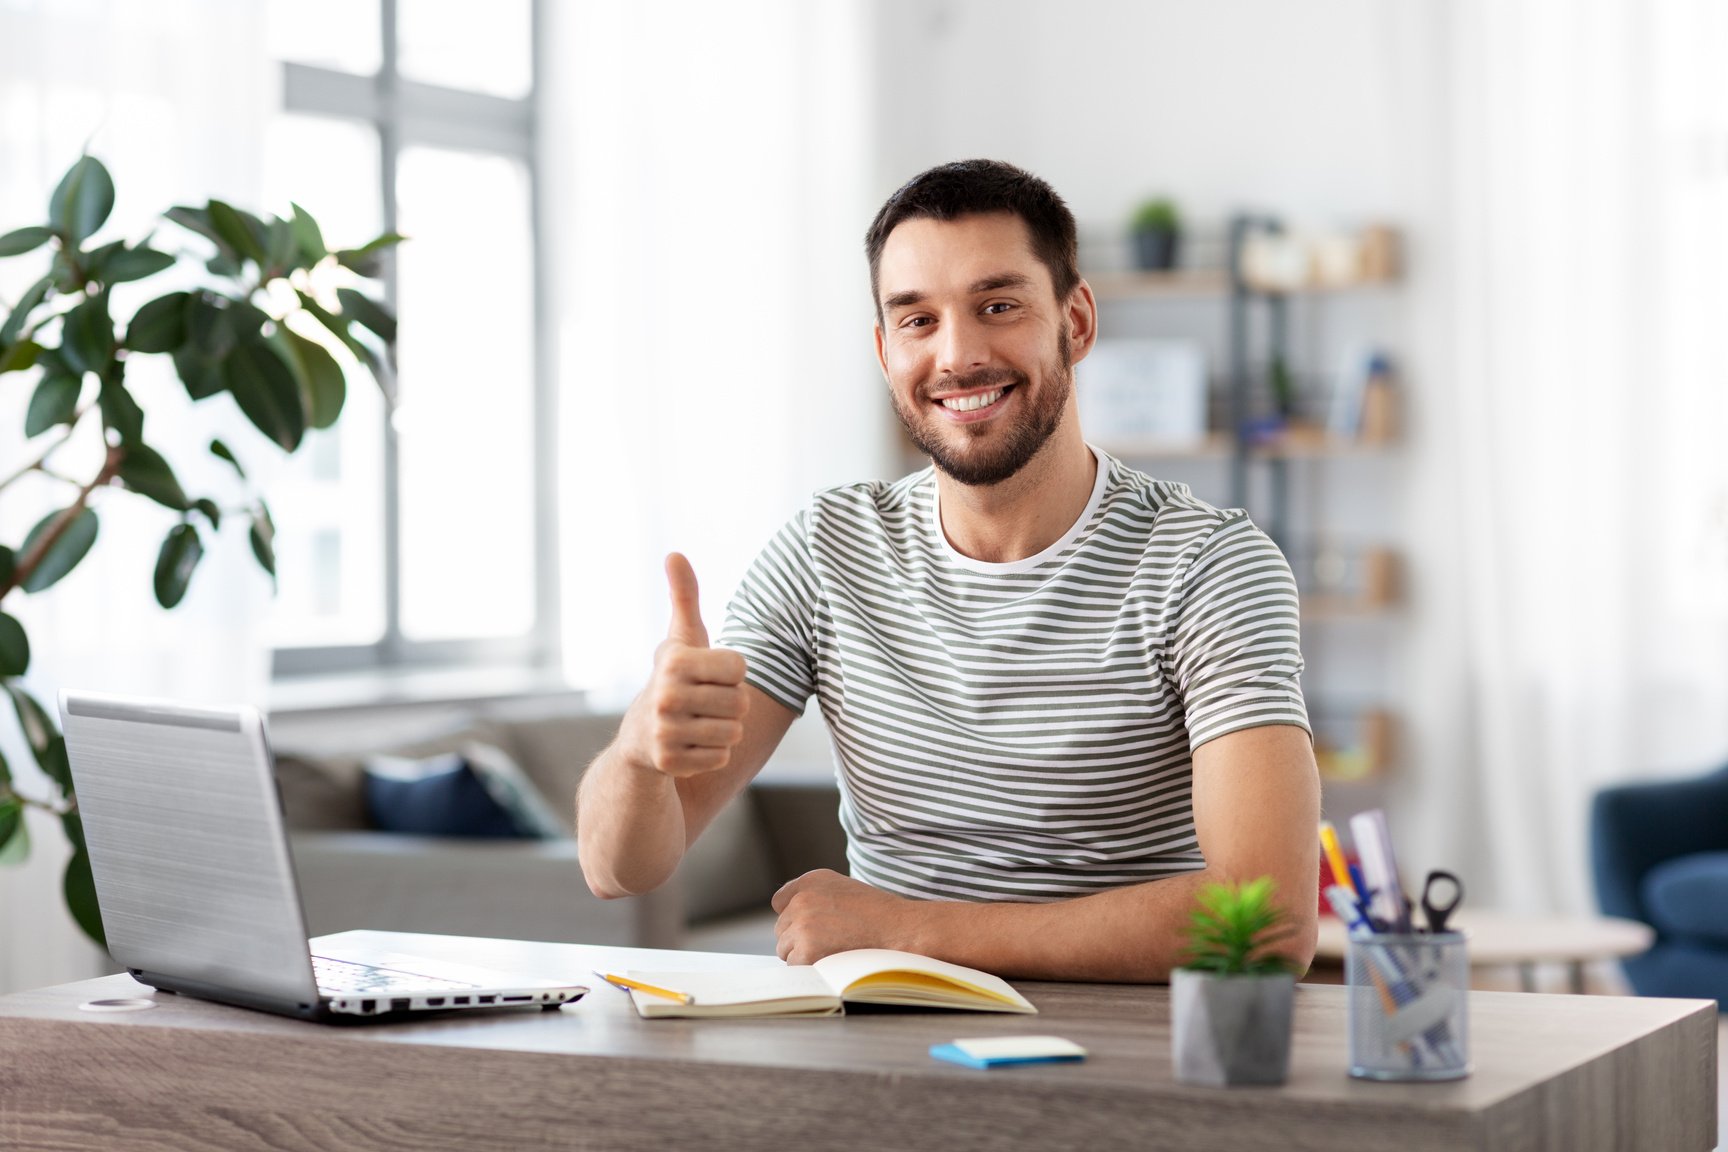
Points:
(998, 307)
(916, 321)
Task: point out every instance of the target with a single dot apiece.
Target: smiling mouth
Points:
(975, 401)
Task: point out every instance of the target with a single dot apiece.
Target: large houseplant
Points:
(273, 295)
(1231, 1003)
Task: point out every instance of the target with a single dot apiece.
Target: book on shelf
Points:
(861, 976)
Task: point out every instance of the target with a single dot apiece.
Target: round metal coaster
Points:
(124, 1004)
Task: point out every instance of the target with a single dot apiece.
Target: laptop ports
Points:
(368, 1006)
(434, 1001)
(400, 1004)
(487, 999)
(460, 1000)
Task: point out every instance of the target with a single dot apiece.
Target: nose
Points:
(961, 347)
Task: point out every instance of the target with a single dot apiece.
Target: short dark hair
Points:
(972, 187)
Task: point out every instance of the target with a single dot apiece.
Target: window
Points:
(424, 535)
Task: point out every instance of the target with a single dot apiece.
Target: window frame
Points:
(408, 113)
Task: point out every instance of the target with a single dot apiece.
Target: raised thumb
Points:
(687, 627)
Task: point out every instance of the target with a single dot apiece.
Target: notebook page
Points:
(749, 986)
(843, 969)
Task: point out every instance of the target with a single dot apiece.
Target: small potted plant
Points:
(1156, 227)
(1231, 1002)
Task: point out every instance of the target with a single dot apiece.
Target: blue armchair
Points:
(1660, 854)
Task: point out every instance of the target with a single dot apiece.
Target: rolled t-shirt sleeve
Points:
(771, 619)
(1236, 652)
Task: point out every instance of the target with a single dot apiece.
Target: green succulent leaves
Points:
(1233, 926)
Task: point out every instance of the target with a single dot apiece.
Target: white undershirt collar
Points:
(964, 561)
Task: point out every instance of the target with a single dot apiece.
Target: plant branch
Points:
(28, 563)
(36, 464)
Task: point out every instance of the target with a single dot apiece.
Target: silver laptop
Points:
(196, 884)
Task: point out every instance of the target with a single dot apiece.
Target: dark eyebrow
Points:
(989, 284)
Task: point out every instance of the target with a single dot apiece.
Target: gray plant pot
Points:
(1230, 1029)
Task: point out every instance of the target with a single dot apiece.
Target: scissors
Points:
(1439, 913)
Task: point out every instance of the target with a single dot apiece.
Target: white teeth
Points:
(969, 403)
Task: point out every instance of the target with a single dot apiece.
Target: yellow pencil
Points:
(1335, 856)
(626, 982)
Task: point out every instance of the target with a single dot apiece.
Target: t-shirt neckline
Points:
(960, 559)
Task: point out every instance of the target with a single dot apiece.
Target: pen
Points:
(624, 983)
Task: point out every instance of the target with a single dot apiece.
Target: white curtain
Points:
(1573, 492)
(172, 97)
(706, 186)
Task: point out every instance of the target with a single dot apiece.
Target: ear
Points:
(881, 353)
(1081, 316)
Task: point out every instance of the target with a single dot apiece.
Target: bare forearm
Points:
(629, 825)
(1128, 935)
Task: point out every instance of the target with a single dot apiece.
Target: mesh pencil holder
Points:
(1409, 1006)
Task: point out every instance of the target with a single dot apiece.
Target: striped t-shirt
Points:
(1022, 731)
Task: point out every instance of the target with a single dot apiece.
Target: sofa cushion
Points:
(1688, 896)
(322, 789)
(437, 796)
(555, 749)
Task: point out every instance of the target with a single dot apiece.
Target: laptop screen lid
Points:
(186, 843)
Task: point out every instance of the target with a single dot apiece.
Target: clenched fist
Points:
(691, 716)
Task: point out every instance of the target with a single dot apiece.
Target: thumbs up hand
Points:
(691, 716)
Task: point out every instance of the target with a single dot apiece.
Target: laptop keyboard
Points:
(346, 976)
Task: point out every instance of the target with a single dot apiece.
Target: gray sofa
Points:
(353, 876)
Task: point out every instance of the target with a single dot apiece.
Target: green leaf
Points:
(207, 325)
(87, 339)
(45, 741)
(67, 551)
(19, 356)
(5, 774)
(217, 448)
(144, 471)
(369, 313)
(22, 240)
(120, 412)
(198, 220)
(211, 512)
(264, 539)
(27, 303)
(159, 326)
(280, 245)
(134, 264)
(245, 320)
(80, 888)
(55, 401)
(367, 259)
(8, 565)
(232, 226)
(320, 376)
(308, 236)
(267, 393)
(201, 374)
(82, 201)
(14, 833)
(181, 551)
(223, 264)
(14, 647)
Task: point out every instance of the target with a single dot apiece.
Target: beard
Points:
(990, 455)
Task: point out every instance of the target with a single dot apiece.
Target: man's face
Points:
(973, 342)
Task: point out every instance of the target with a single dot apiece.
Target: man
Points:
(1063, 695)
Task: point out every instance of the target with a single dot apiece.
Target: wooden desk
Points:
(1551, 1072)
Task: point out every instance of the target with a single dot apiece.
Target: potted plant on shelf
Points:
(1231, 1002)
(1156, 229)
(259, 327)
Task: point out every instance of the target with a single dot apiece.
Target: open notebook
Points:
(862, 976)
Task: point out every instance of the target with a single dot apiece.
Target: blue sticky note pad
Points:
(1002, 1051)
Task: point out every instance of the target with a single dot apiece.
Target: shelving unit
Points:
(1357, 762)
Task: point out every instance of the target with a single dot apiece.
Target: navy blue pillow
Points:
(1688, 896)
(439, 796)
